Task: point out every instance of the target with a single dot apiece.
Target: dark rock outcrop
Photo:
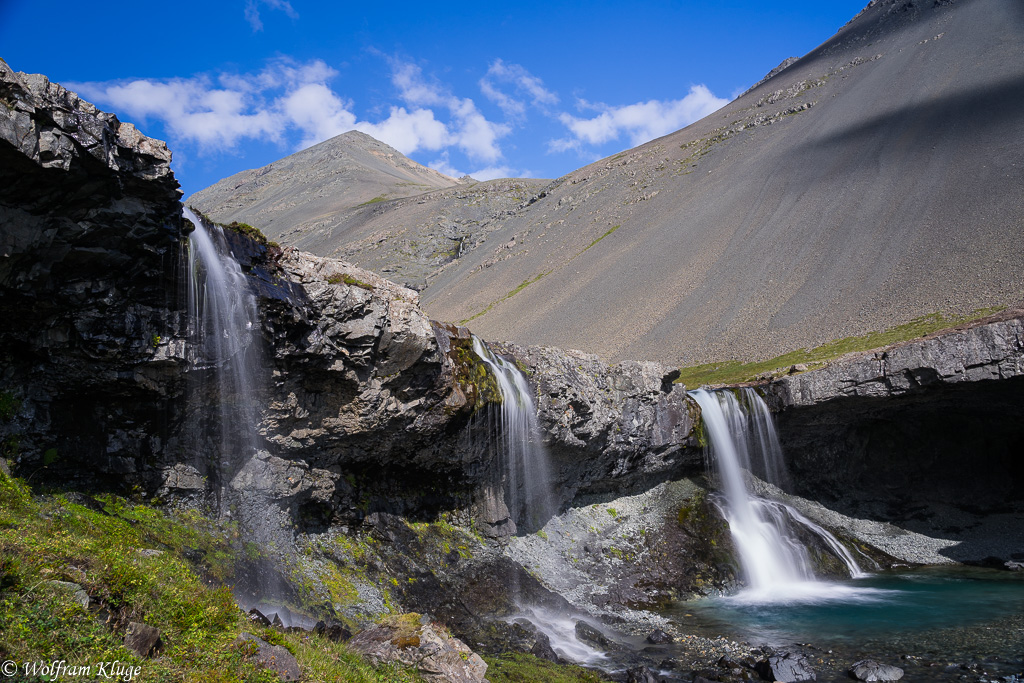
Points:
(90, 237)
(924, 434)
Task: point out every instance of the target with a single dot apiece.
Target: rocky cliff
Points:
(925, 434)
(91, 233)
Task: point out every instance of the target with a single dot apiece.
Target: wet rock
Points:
(276, 658)
(641, 674)
(870, 670)
(542, 649)
(257, 617)
(590, 635)
(786, 666)
(337, 633)
(659, 637)
(142, 639)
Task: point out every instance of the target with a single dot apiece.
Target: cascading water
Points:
(775, 563)
(525, 460)
(225, 350)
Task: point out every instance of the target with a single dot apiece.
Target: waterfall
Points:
(225, 349)
(776, 565)
(524, 457)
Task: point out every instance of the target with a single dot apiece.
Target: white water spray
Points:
(225, 346)
(775, 563)
(528, 478)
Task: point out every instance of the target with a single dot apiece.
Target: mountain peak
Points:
(338, 174)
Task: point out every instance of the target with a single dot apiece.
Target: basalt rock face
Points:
(90, 235)
(620, 428)
(925, 434)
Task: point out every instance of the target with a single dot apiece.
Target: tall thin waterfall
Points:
(225, 350)
(775, 563)
(525, 459)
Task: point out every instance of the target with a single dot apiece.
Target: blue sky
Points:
(491, 89)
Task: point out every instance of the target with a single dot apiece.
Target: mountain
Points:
(876, 179)
(306, 190)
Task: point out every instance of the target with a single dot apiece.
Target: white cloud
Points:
(293, 103)
(409, 131)
(252, 11)
(642, 121)
(492, 172)
(471, 131)
(523, 82)
(443, 165)
(318, 112)
(191, 108)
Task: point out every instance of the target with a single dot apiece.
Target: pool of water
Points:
(941, 616)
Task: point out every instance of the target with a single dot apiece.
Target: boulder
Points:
(76, 592)
(786, 666)
(276, 658)
(870, 670)
(142, 639)
(659, 637)
(542, 649)
(438, 657)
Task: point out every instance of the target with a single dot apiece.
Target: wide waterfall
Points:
(775, 563)
(524, 457)
(225, 350)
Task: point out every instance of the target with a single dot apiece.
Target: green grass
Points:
(523, 285)
(348, 280)
(520, 668)
(47, 538)
(610, 231)
(734, 371)
(379, 198)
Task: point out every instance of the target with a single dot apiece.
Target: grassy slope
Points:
(53, 538)
(733, 371)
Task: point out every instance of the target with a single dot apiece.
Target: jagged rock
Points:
(981, 351)
(142, 639)
(786, 666)
(257, 617)
(611, 427)
(90, 241)
(659, 637)
(438, 658)
(870, 670)
(589, 634)
(277, 658)
(542, 649)
(641, 674)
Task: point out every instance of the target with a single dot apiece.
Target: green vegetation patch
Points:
(610, 231)
(734, 371)
(376, 200)
(95, 544)
(523, 285)
(517, 668)
(339, 278)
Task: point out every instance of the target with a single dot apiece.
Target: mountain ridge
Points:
(872, 181)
